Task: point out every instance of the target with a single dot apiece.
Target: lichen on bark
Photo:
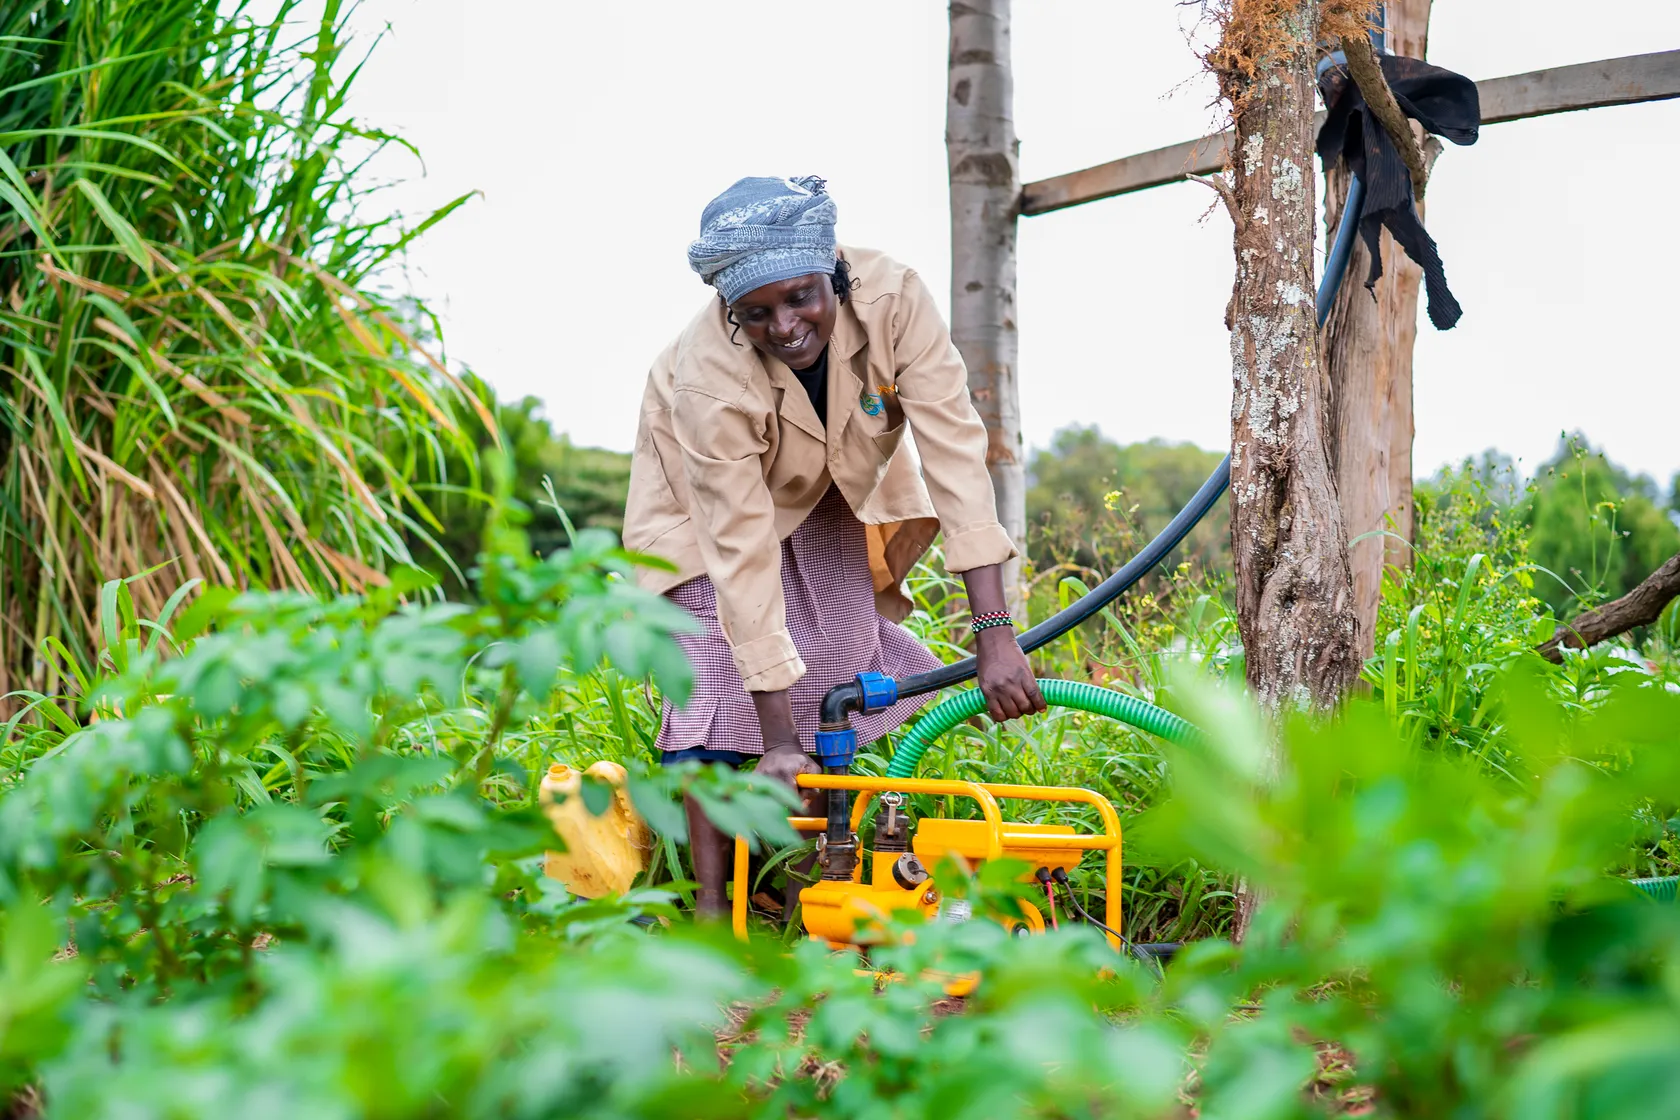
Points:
(1293, 586)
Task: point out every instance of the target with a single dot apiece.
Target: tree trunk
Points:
(981, 151)
(1293, 587)
(1368, 353)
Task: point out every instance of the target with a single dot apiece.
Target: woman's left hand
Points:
(1005, 677)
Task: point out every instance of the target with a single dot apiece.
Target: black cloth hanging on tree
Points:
(1446, 104)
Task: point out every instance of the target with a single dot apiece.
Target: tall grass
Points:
(203, 381)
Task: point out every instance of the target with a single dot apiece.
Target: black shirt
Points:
(815, 380)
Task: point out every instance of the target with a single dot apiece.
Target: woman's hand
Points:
(784, 764)
(1005, 678)
(784, 759)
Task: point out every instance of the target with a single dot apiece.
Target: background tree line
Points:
(1595, 527)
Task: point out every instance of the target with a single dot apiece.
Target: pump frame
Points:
(1004, 838)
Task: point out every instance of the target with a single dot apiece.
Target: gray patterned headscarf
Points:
(760, 231)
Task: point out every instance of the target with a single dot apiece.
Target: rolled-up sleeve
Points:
(735, 528)
(950, 439)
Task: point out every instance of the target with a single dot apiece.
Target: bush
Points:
(1596, 529)
(1089, 497)
(561, 484)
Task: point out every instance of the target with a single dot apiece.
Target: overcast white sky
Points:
(597, 131)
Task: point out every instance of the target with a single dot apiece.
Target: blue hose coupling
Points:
(879, 691)
(836, 748)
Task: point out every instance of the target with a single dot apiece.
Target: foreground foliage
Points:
(293, 867)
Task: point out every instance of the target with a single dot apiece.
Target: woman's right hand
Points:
(784, 763)
(784, 759)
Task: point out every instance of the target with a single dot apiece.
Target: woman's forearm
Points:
(775, 718)
(1004, 676)
(985, 589)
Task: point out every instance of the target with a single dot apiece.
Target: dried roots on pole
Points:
(1294, 588)
(1252, 33)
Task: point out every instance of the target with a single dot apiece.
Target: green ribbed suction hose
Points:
(1665, 889)
(1062, 694)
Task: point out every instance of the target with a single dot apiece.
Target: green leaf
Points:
(291, 704)
(127, 237)
(233, 853)
(537, 658)
(61, 420)
(652, 799)
(597, 794)
(205, 611)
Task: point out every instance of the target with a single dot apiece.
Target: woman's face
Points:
(790, 320)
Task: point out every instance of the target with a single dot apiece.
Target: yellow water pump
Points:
(852, 911)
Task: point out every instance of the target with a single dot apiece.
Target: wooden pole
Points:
(1368, 356)
(982, 151)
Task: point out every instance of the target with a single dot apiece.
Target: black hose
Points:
(1163, 951)
(1101, 595)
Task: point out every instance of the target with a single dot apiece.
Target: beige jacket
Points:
(730, 459)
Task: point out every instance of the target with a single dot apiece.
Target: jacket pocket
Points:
(887, 442)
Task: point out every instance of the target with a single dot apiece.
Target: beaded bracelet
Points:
(987, 621)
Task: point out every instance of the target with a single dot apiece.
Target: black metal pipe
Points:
(836, 743)
(839, 855)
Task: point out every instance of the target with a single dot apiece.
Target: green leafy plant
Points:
(270, 863)
(1453, 931)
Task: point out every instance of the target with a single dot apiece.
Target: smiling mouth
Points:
(796, 344)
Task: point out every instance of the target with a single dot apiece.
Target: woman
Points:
(772, 473)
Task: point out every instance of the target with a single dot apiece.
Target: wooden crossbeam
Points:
(1586, 85)
(1562, 89)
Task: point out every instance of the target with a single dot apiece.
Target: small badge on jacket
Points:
(884, 397)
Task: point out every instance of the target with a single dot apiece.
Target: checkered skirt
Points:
(830, 597)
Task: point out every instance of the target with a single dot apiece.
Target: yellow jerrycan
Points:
(605, 853)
